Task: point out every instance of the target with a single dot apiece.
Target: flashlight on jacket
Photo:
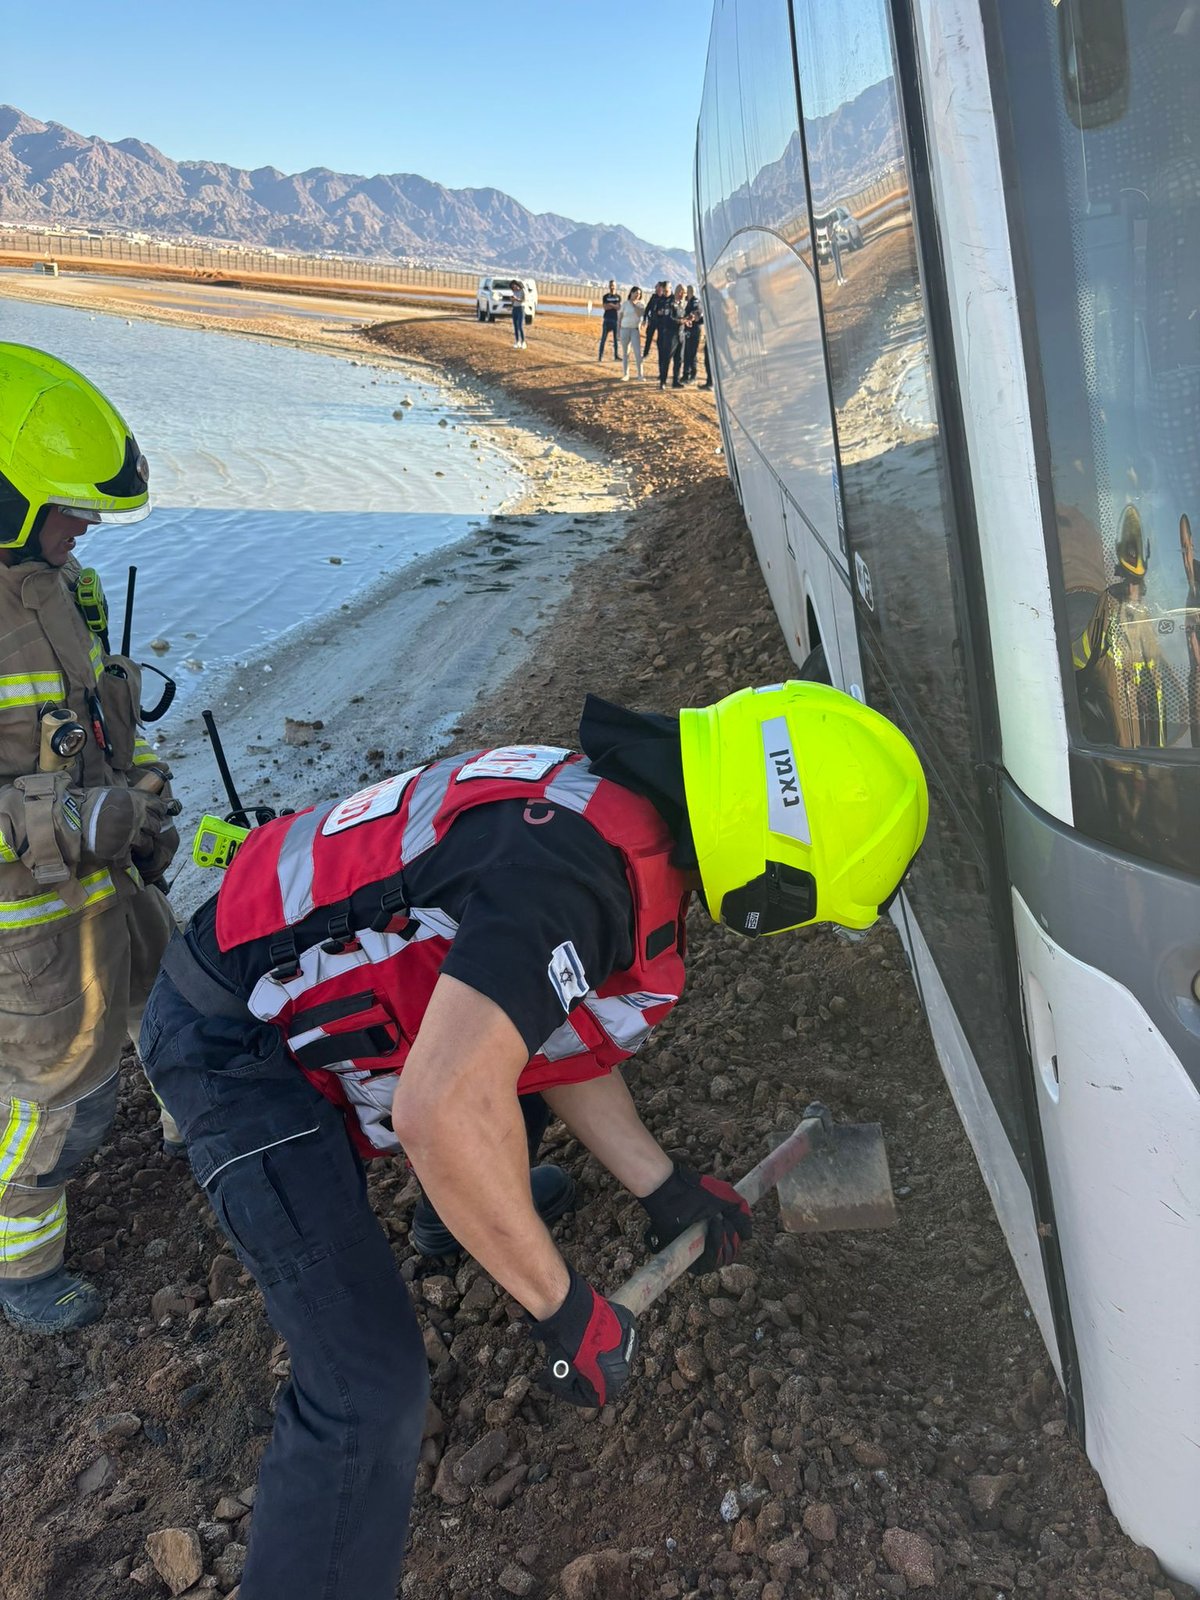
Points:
(62, 738)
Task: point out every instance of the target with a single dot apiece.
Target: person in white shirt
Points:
(632, 312)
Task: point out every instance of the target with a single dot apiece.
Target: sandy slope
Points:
(874, 1413)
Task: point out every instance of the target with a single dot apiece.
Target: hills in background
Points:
(50, 174)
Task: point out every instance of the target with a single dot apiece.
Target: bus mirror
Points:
(1094, 54)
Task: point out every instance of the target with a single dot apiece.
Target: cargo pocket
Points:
(120, 690)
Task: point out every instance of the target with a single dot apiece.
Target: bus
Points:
(965, 433)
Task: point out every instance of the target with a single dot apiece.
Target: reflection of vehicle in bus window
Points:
(956, 462)
(840, 226)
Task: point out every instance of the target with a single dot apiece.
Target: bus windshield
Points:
(1102, 98)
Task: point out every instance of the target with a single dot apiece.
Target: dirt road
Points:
(846, 1417)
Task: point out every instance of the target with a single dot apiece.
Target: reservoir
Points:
(282, 482)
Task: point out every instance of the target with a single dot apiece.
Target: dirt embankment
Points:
(847, 1417)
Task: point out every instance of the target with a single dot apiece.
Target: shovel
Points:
(829, 1177)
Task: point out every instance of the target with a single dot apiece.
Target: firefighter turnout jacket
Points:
(355, 964)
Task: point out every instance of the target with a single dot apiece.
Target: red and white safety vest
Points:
(350, 1001)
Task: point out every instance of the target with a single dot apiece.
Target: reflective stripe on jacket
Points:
(350, 1002)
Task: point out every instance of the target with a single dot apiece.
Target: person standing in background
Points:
(667, 320)
(650, 314)
(611, 304)
(679, 313)
(518, 314)
(693, 321)
(631, 320)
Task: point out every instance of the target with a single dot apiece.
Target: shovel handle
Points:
(661, 1271)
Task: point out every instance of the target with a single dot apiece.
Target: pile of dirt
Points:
(849, 1416)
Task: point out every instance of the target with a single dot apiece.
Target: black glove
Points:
(590, 1344)
(685, 1198)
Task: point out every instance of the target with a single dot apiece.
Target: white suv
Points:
(494, 297)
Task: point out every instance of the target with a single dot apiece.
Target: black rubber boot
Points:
(56, 1303)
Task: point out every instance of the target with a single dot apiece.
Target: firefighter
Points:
(82, 847)
(398, 970)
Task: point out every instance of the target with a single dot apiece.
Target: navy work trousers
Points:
(274, 1158)
(609, 327)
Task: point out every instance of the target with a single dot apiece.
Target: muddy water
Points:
(282, 481)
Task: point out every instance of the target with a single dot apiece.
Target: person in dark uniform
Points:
(611, 305)
(391, 974)
(650, 316)
(668, 320)
(693, 322)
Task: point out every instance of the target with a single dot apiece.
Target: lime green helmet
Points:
(62, 444)
(805, 806)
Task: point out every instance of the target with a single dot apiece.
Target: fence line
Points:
(264, 263)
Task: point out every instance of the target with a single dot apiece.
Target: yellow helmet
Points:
(805, 806)
(62, 444)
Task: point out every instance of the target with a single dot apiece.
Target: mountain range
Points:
(50, 174)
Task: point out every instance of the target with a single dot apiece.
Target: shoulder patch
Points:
(566, 974)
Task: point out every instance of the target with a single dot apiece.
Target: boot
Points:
(553, 1194)
(55, 1303)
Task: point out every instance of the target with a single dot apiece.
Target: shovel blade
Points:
(844, 1185)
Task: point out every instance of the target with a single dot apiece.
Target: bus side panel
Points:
(1121, 1123)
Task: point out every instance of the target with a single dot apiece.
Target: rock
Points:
(440, 1292)
(442, 423)
(515, 1580)
(434, 1424)
(790, 1554)
(223, 1277)
(229, 1564)
(298, 732)
(398, 415)
(160, 645)
(869, 1455)
(986, 1492)
(731, 1506)
(498, 1494)
(736, 1279)
(229, 1509)
(821, 1522)
(602, 1575)
(482, 1458)
(175, 1556)
(213, 1535)
(102, 1474)
(444, 1486)
(117, 1429)
(167, 1302)
(721, 1088)
(689, 1359)
(911, 1556)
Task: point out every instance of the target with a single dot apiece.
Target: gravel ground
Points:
(848, 1416)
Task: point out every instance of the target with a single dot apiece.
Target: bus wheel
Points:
(815, 668)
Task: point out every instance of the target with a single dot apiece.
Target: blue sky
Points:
(569, 107)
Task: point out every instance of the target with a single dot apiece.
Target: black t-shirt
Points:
(521, 882)
(611, 304)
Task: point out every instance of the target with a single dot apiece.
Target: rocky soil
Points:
(848, 1416)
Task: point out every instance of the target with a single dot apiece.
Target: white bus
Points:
(968, 451)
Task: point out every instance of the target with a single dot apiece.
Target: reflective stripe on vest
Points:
(23, 1119)
(38, 908)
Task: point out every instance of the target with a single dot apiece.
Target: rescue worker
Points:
(84, 839)
(396, 971)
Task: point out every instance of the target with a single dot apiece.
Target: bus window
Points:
(1103, 113)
